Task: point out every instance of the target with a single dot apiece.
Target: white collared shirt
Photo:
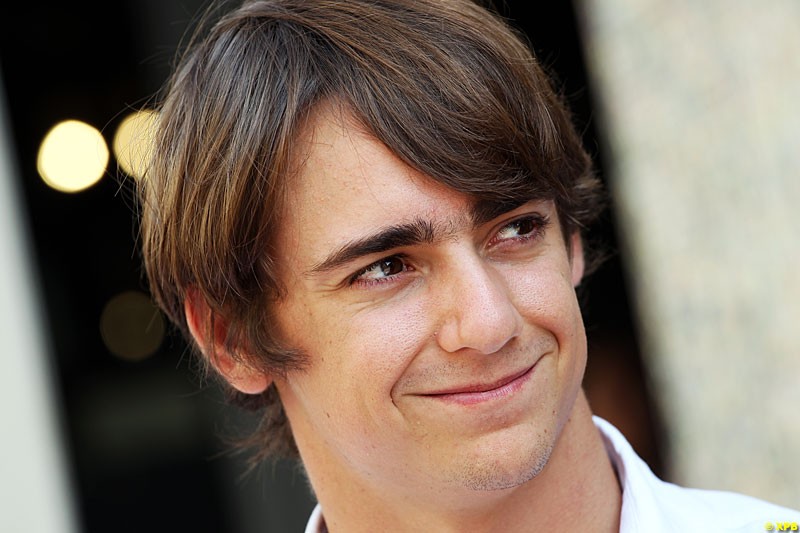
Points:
(652, 505)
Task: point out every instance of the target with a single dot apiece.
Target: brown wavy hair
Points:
(447, 85)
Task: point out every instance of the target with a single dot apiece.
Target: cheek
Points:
(356, 357)
(343, 401)
(546, 299)
(544, 294)
(384, 340)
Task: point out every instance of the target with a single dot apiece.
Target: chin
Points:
(506, 466)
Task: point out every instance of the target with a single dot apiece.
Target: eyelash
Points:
(356, 279)
(538, 221)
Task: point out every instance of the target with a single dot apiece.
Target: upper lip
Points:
(481, 387)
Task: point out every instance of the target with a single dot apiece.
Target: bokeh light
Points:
(72, 157)
(131, 326)
(132, 142)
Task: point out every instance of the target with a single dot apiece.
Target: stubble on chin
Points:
(500, 473)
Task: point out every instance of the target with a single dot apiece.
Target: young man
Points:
(367, 215)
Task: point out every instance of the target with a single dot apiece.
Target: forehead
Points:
(340, 169)
(344, 183)
(336, 151)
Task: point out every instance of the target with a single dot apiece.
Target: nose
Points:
(478, 311)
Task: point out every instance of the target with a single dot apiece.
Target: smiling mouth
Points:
(473, 394)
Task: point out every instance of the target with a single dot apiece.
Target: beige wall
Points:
(700, 105)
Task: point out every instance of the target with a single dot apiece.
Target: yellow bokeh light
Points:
(132, 143)
(72, 157)
(131, 326)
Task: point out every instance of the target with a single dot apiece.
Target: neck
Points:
(578, 487)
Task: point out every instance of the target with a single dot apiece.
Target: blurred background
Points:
(691, 114)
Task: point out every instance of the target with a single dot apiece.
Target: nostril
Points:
(481, 327)
(476, 308)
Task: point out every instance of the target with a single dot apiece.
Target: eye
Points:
(522, 229)
(380, 271)
(517, 228)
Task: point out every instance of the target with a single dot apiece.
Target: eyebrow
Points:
(419, 231)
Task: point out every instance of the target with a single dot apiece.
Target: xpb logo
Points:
(781, 526)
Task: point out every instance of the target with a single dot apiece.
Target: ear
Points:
(238, 374)
(577, 261)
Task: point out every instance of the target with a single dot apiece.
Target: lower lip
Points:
(472, 398)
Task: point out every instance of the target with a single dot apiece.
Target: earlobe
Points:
(577, 261)
(210, 337)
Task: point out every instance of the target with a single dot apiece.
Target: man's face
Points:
(444, 352)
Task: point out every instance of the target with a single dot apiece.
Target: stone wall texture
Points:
(699, 102)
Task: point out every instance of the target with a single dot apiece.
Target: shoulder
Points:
(651, 504)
